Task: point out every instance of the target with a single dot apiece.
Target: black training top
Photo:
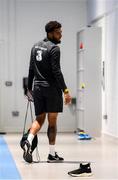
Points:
(45, 67)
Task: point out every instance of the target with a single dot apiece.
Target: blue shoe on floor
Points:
(87, 137)
(84, 136)
(81, 137)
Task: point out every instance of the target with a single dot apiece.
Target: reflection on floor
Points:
(101, 152)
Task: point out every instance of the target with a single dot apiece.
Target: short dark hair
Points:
(51, 26)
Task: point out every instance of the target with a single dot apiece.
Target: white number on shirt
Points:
(39, 55)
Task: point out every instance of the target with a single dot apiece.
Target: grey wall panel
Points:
(89, 109)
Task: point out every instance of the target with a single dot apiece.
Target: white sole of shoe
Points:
(81, 175)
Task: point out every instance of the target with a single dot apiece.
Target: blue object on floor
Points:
(81, 136)
(87, 137)
(84, 136)
(8, 169)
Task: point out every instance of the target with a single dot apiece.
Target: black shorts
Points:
(47, 99)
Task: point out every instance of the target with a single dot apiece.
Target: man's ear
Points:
(50, 34)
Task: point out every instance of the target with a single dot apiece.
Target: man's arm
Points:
(30, 76)
(31, 71)
(56, 69)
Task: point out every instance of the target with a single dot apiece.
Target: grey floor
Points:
(101, 152)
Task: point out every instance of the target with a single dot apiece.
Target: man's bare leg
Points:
(52, 127)
(36, 126)
(51, 133)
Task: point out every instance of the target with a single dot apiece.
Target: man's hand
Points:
(67, 98)
(30, 95)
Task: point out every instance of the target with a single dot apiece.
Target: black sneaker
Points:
(83, 171)
(53, 159)
(27, 155)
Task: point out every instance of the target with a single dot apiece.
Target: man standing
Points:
(47, 81)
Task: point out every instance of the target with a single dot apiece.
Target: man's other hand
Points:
(30, 95)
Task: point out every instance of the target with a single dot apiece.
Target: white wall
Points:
(109, 24)
(22, 23)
